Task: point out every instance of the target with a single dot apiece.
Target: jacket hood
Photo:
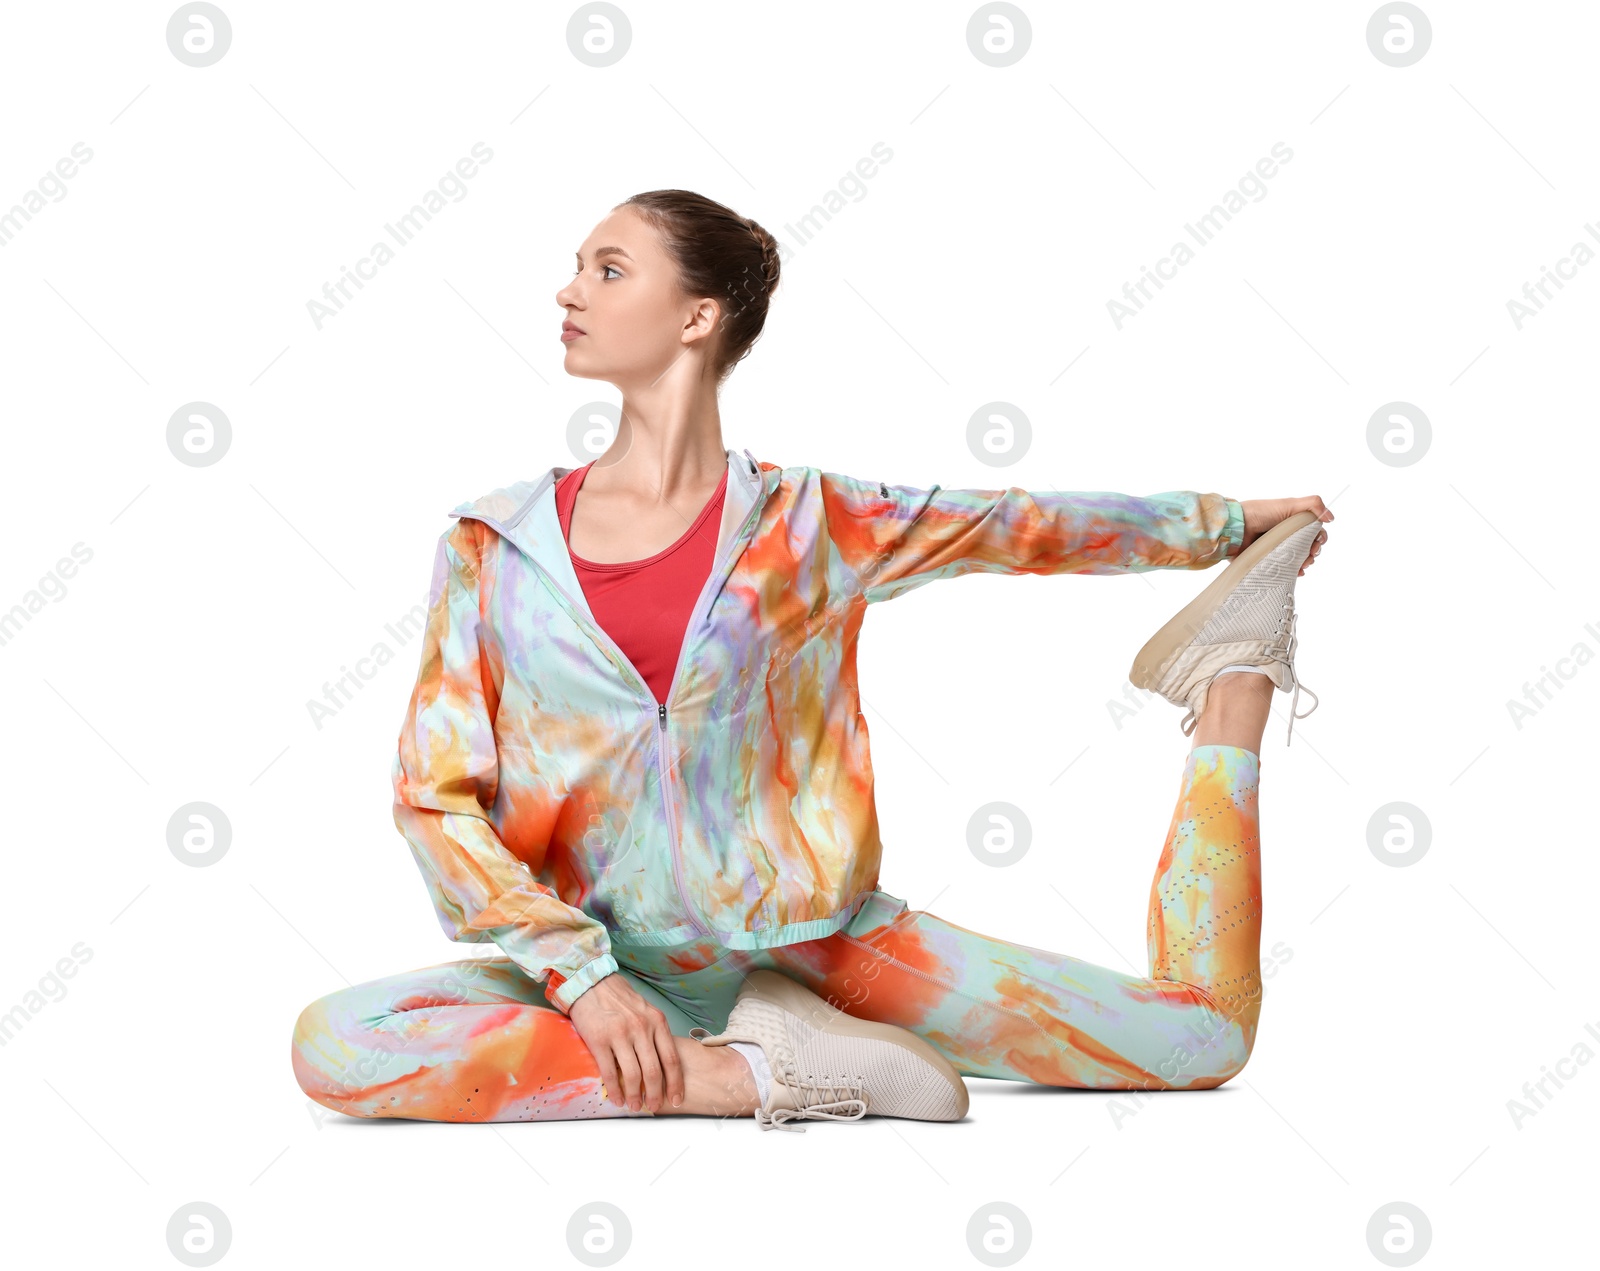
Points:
(524, 513)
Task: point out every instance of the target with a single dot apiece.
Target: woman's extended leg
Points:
(998, 1009)
(476, 1041)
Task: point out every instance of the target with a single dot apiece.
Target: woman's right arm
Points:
(446, 773)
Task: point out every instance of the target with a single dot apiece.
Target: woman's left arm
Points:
(895, 538)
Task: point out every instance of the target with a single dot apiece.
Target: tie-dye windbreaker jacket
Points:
(556, 808)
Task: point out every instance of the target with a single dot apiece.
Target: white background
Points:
(975, 266)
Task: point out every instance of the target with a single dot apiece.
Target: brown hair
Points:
(720, 254)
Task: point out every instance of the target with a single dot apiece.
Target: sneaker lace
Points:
(819, 1100)
(1281, 650)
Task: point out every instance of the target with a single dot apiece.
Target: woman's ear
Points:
(703, 320)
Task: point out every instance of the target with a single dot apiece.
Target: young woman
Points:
(635, 760)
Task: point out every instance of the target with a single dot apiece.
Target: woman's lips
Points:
(568, 334)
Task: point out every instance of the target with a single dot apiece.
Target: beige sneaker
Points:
(830, 1066)
(1245, 616)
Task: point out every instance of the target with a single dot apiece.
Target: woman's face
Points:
(624, 297)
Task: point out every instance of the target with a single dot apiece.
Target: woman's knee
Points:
(1226, 1056)
(1224, 1068)
(331, 1064)
(1214, 1046)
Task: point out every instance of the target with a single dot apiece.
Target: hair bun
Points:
(769, 251)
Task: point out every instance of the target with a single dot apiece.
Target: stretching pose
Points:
(635, 760)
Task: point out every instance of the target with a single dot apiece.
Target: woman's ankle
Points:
(717, 1081)
(1238, 704)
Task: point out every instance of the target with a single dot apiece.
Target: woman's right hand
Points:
(631, 1042)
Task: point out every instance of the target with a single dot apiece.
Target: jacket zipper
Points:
(702, 603)
(662, 777)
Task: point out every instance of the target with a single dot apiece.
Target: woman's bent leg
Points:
(464, 1041)
(998, 1009)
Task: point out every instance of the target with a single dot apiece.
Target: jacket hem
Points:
(768, 938)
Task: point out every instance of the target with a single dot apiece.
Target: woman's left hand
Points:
(1261, 515)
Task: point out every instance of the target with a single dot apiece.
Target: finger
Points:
(628, 1062)
(668, 1049)
(650, 1070)
(608, 1074)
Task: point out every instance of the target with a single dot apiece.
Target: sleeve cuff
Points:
(562, 991)
(1233, 532)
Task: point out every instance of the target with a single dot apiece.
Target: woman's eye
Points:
(579, 270)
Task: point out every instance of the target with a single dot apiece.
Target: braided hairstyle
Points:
(720, 254)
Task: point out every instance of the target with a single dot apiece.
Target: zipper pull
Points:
(661, 714)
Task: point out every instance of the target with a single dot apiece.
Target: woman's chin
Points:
(578, 365)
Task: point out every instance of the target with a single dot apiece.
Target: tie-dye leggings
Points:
(476, 1041)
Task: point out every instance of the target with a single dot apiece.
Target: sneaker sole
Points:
(1152, 661)
(797, 999)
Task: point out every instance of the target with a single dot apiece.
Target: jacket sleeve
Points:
(445, 776)
(895, 538)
